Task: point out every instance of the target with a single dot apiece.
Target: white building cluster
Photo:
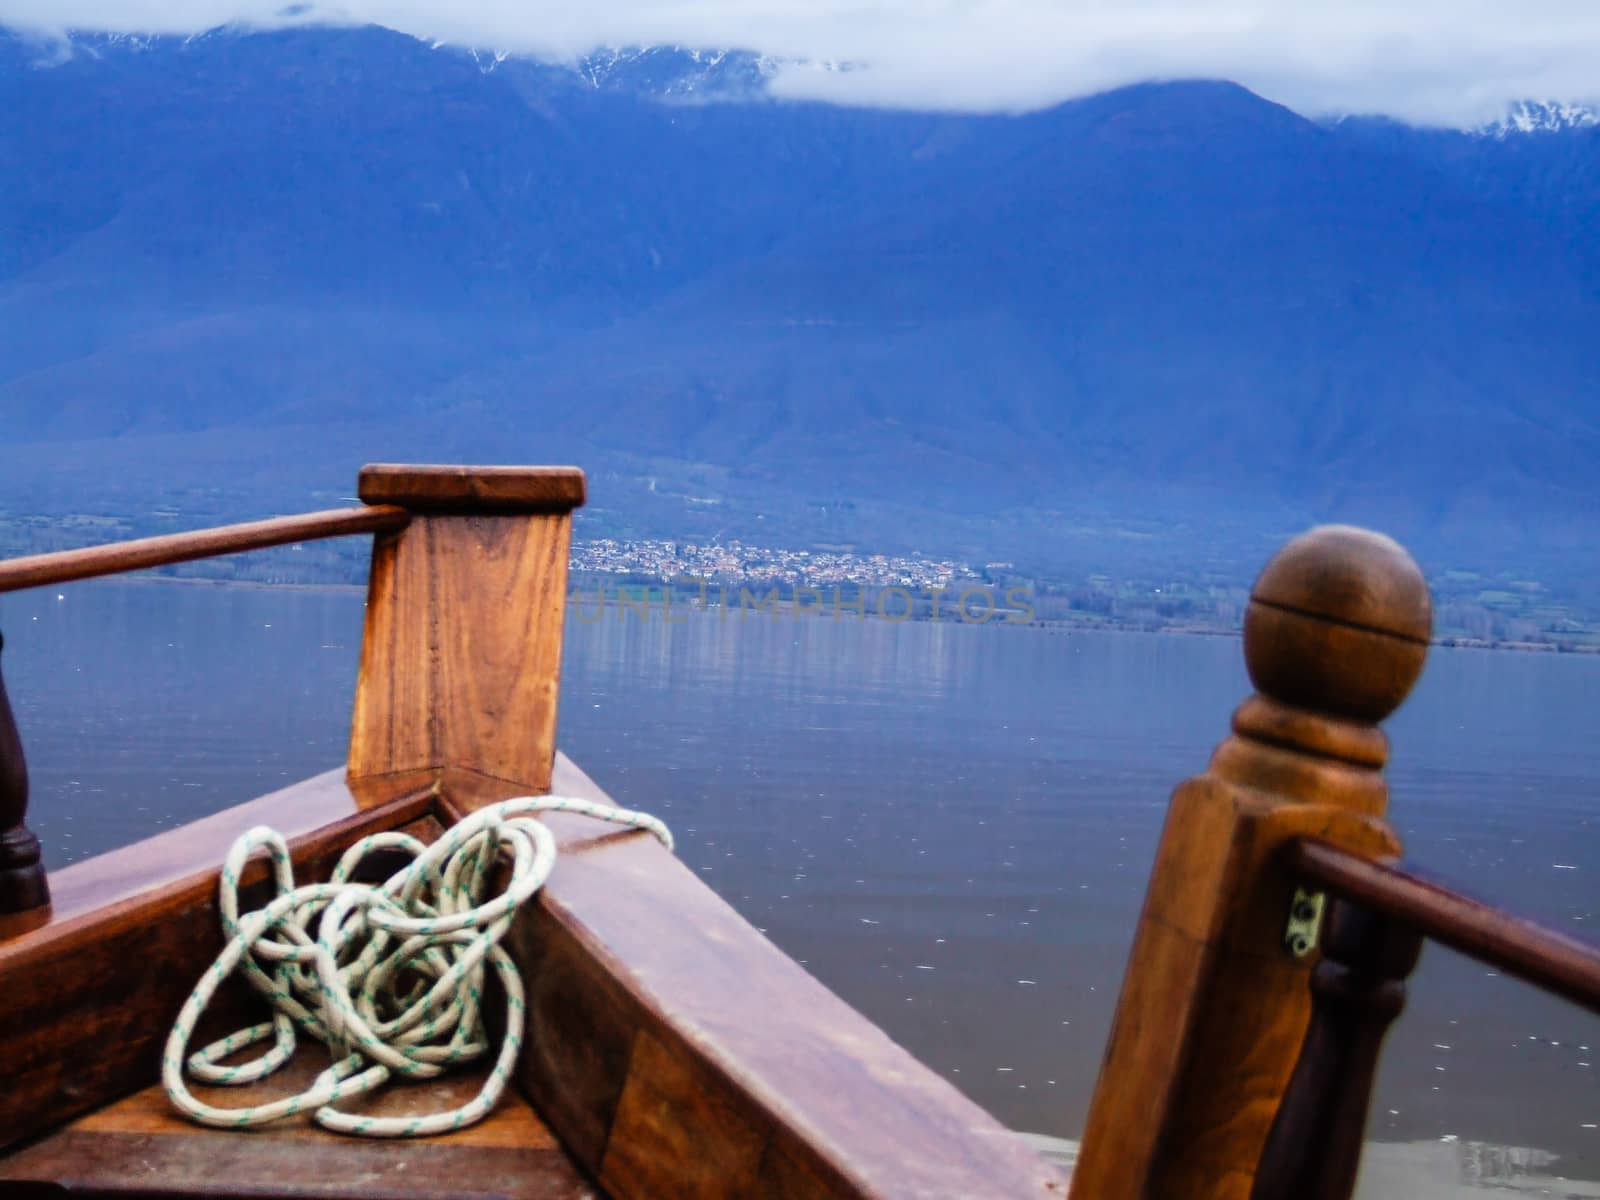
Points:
(740, 562)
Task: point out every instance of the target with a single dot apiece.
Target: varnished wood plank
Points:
(67, 565)
(250, 1164)
(461, 660)
(582, 1021)
(325, 806)
(462, 792)
(681, 1128)
(789, 1173)
(473, 489)
(86, 1001)
(1213, 1009)
(512, 1124)
(580, 1000)
(749, 1058)
(577, 1067)
(1252, 1004)
(1561, 964)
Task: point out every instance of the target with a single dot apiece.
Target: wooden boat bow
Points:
(672, 1049)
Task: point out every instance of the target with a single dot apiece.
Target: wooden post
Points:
(22, 881)
(461, 659)
(1358, 989)
(1214, 1007)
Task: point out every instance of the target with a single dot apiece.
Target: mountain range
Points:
(1160, 325)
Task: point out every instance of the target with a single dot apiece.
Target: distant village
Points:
(739, 562)
(1507, 610)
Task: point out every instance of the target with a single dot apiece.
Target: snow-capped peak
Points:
(487, 60)
(678, 72)
(1541, 116)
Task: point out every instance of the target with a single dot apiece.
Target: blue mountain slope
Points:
(1139, 300)
(1174, 305)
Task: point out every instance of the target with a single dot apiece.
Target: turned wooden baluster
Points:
(1357, 990)
(22, 882)
(1214, 1009)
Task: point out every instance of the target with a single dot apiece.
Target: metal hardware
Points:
(1305, 919)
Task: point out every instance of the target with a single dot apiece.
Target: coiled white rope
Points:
(388, 976)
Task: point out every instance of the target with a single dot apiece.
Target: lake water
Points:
(951, 825)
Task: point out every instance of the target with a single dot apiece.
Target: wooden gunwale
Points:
(1556, 962)
(670, 1040)
(87, 997)
(321, 809)
(66, 566)
(673, 1040)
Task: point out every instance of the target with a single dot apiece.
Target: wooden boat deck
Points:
(140, 1146)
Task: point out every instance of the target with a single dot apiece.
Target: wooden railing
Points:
(23, 886)
(1358, 989)
(67, 566)
(460, 514)
(1553, 961)
(1279, 927)
(1372, 934)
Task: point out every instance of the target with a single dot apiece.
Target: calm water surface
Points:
(950, 825)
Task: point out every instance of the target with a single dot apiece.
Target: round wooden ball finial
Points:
(1339, 622)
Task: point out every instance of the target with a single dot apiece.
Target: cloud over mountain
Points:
(1445, 62)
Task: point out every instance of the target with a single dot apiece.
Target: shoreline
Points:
(241, 585)
(786, 609)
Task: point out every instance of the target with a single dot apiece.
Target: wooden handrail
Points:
(24, 891)
(39, 570)
(1378, 915)
(1553, 961)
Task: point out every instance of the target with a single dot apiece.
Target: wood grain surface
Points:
(473, 489)
(1559, 963)
(1213, 1010)
(461, 661)
(87, 1000)
(67, 565)
(142, 1145)
(1358, 989)
(677, 1052)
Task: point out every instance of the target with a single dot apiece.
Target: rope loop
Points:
(390, 977)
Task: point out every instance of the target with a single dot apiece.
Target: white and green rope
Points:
(390, 977)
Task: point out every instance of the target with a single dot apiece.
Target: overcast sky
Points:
(1453, 62)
